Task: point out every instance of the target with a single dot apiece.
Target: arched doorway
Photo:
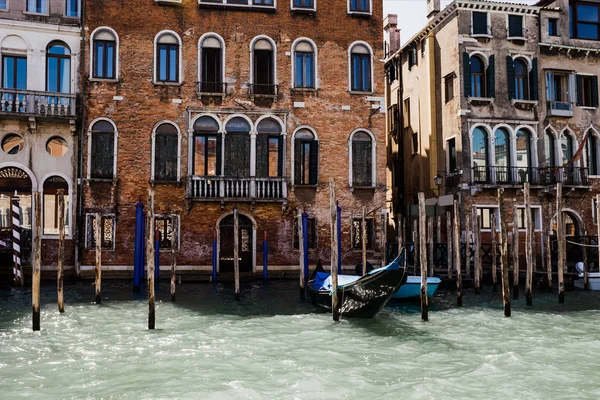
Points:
(571, 224)
(245, 243)
(573, 228)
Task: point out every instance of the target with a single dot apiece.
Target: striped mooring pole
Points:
(16, 239)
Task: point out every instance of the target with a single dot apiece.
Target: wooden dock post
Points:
(598, 224)
(61, 250)
(37, 262)
(477, 265)
(364, 241)
(423, 256)
(467, 245)
(400, 233)
(504, 255)
(430, 240)
(301, 254)
(586, 280)
(438, 229)
(236, 252)
(98, 235)
(150, 260)
(560, 229)
(174, 241)
(549, 260)
(416, 256)
(335, 300)
(515, 251)
(457, 255)
(528, 245)
(494, 253)
(449, 243)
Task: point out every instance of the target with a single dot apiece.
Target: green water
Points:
(271, 346)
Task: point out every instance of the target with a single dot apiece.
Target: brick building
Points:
(40, 52)
(492, 95)
(222, 104)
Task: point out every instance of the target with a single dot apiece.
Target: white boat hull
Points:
(593, 277)
(412, 287)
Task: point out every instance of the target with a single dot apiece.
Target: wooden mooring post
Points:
(449, 243)
(586, 280)
(504, 255)
(598, 224)
(459, 300)
(364, 241)
(150, 260)
(400, 234)
(430, 240)
(98, 235)
(415, 235)
(560, 230)
(468, 246)
(37, 262)
(515, 251)
(528, 245)
(174, 241)
(335, 300)
(236, 252)
(494, 253)
(301, 253)
(423, 255)
(61, 250)
(477, 266)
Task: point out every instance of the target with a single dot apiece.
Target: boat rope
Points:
(583, 245)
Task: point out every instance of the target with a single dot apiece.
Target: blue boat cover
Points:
(323, 280)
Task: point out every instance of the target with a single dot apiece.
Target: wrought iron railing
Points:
(211, 88)
(500, 175)
(260, 89)
(39, 104)
(218, 187)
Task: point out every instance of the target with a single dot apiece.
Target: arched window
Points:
(212, 55)
(237, 148)
(51, 220)
(362, 159)
(480, 155)
(58, 68)
(521, 80)
(360, 68)
(304, 65)
(263, 67)
(567, 145)
(477, 77)
(167, 57)
(166, 151)
(306, 158)
(524, 161)
(502, 154)
(102, 154)
(269, 149)
(104, 54)
(549, 149)
(592, 153)
(207, 147)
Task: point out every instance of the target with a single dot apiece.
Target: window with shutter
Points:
(207, 147)
(515, 26)
(102, 150)
(480, 23)
(269, 149)
(165, 153)
(306, 158)
(362, 159)
(237, 148)
(587, 91)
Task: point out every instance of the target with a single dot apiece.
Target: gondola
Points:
(361, 296)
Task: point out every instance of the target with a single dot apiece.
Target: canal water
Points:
(271, 346)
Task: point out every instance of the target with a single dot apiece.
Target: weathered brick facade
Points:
(135, 104)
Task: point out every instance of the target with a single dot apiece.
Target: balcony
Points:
(511, 176)
(211, 89)
(263, 90)
(560, 109)
(208, 188)
(28, 103)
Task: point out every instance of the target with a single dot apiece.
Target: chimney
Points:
(392, 34)
(433, 9)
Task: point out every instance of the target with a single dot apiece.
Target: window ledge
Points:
(159, 83)
(304, 90)
(482, 35)
(594, 176)
(308, 187)
(480, 100)
(588, 108)
(36, 14)
(76, 17)
(358, 92)
(355, 187)
(304, 10)
(101, 180)
(524, 104)
(108, 80)
(516, 38)
(358, 13)
(159, 182)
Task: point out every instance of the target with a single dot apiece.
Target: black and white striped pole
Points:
(16, 240)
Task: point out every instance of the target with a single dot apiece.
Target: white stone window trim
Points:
(26, 12)
(252, 134)
(352, 45)
(175, 222)
(496, 213)
(538, 217)
(153, 153)
(179, 62)
(313, 8)
(447, 151)
(95, 32)
(489, 25)
(190, 146)
(316, 63)
(373, 156)
(273, 49)
(89, 150)
(566, 133)
(223, 51)
(370, 12)
(522, 37)
(293, 146)
(555, 136)
(283, 137)
(533, 139)
(68, 211)
(7, 8)
(88, 217)
(74, 67)
(65, 9)
(593, 131)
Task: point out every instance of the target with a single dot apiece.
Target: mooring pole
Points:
(430, 242)
(515, 251)
(598, 224)
(15, 211)
(561, 244)
(364, 241)
(174, 241)
(150, 260)
(478, 267)
(236, 257)
(494, 253)
(457, 262)
(301, 253)
(265, 257)
(214, 257)
(586, 280)
(37, 262)
(468, 245)
(61, 249)
(504, 254)
(416, 256)
(449, 242)
(400, 233)
(528, 245)
(438, 230)
(423, 256)
(98, 282)
(335, 300)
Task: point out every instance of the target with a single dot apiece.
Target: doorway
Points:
(245, 243)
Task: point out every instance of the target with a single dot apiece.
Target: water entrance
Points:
(245, 250)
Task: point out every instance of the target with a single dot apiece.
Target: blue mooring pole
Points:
(265, 257)
(339, 237)
(214, 257)
(138, 250)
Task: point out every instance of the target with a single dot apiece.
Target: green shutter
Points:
(533, 80)
(510, 74)
(579, 87)
(594, 91)
(280, 156)
(314, 163)
(491, 79)
(467, 74)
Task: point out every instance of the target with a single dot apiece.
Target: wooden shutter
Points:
(237, 155)
(361, 164)
(533, 80)
(314, 163)
(219, 151)
(510, 74)
(280, 156)
(491, 79)
(297, 162)
(579, 83)
(262, 156)
(467, 74)
(594, 91)
(165, 157)
(102, 162)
